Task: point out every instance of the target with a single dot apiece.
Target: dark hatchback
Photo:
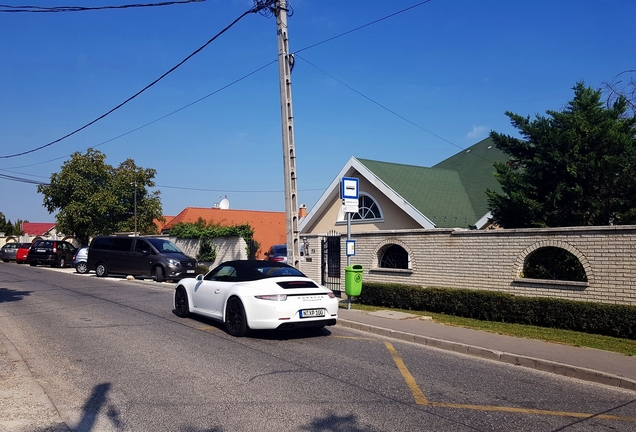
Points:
(56, 253)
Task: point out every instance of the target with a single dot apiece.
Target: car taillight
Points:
(278, 259)
(274, 297)
(331, 295)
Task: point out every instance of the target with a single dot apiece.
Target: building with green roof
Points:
(451, 194)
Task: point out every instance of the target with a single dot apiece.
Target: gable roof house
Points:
(269, 227)
(395, 196)
(35, 229)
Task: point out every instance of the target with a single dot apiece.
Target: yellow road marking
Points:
(531, 411)
(420, 399)
(352, 337)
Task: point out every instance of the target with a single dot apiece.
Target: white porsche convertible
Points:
(252, 294)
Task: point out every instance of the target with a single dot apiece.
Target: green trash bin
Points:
(353, 280)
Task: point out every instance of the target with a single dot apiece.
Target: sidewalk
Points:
(587, 364)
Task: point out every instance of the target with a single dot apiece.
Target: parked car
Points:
(21, 256)
(8, 251)
(257, 294)
(277, 253)
(80, 260)
(139, 256)
(56, 253)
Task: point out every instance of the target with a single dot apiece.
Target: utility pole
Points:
(285, 62)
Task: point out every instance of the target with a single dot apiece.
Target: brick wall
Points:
(494, 260)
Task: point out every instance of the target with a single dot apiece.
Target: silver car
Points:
(8, 251)
(80, 260)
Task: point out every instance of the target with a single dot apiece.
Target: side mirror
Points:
(199, 277)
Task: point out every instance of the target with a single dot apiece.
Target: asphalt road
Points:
(110, 355)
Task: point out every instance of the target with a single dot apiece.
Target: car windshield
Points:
(275, 271)
(251, 270)
(164, 246)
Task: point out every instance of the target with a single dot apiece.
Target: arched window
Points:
(394, 256)
(555, 264)
(368, 209)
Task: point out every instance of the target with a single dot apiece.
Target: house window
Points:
(368, 209)
(394, 256)
(555, 264)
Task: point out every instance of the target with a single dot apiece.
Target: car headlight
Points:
(173, 262)
(273, 297)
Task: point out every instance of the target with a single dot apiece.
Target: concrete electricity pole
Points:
(285, 62)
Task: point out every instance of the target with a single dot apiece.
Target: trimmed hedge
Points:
(596, 318)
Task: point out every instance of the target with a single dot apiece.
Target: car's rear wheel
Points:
(181, 307)
(62, 262)
(101, 270)
(235, 320)
(81, 268)
(159, 274)
(5, 260)
(32, 263)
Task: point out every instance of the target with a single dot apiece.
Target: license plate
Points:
(40, 250)
(307, 313)
(189, 271)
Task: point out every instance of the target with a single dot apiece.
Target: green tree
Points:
(573, 168)
(8, 228)
(96, 198)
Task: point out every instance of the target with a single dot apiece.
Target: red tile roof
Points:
(160, 225)
(37, 228)
(269, 227)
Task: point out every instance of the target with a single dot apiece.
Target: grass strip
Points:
(566, 337)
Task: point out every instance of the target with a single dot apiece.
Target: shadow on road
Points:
(9, 295)
(94, 405)
(301, 333)
(336, 423)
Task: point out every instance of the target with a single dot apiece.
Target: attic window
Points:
(368, 209)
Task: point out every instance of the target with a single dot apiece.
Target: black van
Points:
(139, 256)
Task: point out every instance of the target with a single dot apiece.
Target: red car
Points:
(22, 253)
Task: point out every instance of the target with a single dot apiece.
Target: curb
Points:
(489, 354)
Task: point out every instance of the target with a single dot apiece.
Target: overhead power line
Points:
(21, 179)
(261, 5)
(264, 7)
(42, 9)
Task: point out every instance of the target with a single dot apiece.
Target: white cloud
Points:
(478, 132)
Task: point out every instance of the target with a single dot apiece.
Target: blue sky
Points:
(428, 82)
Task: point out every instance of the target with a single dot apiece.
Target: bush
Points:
(202, 269)
(596, 318)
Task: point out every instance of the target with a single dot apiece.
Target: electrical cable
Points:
(41, 9)
(261, 5)
(251, 10)
(377, 103)
(363, 26)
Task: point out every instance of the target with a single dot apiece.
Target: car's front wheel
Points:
(235, 320)
(101, 270)
(81, 268)
(159, 274)
(181, 307)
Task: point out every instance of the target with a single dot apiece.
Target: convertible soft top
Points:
(249, 270)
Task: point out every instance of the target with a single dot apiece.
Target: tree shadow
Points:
(335, 423)
(9, 295)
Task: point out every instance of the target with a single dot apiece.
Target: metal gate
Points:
(330, 264)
